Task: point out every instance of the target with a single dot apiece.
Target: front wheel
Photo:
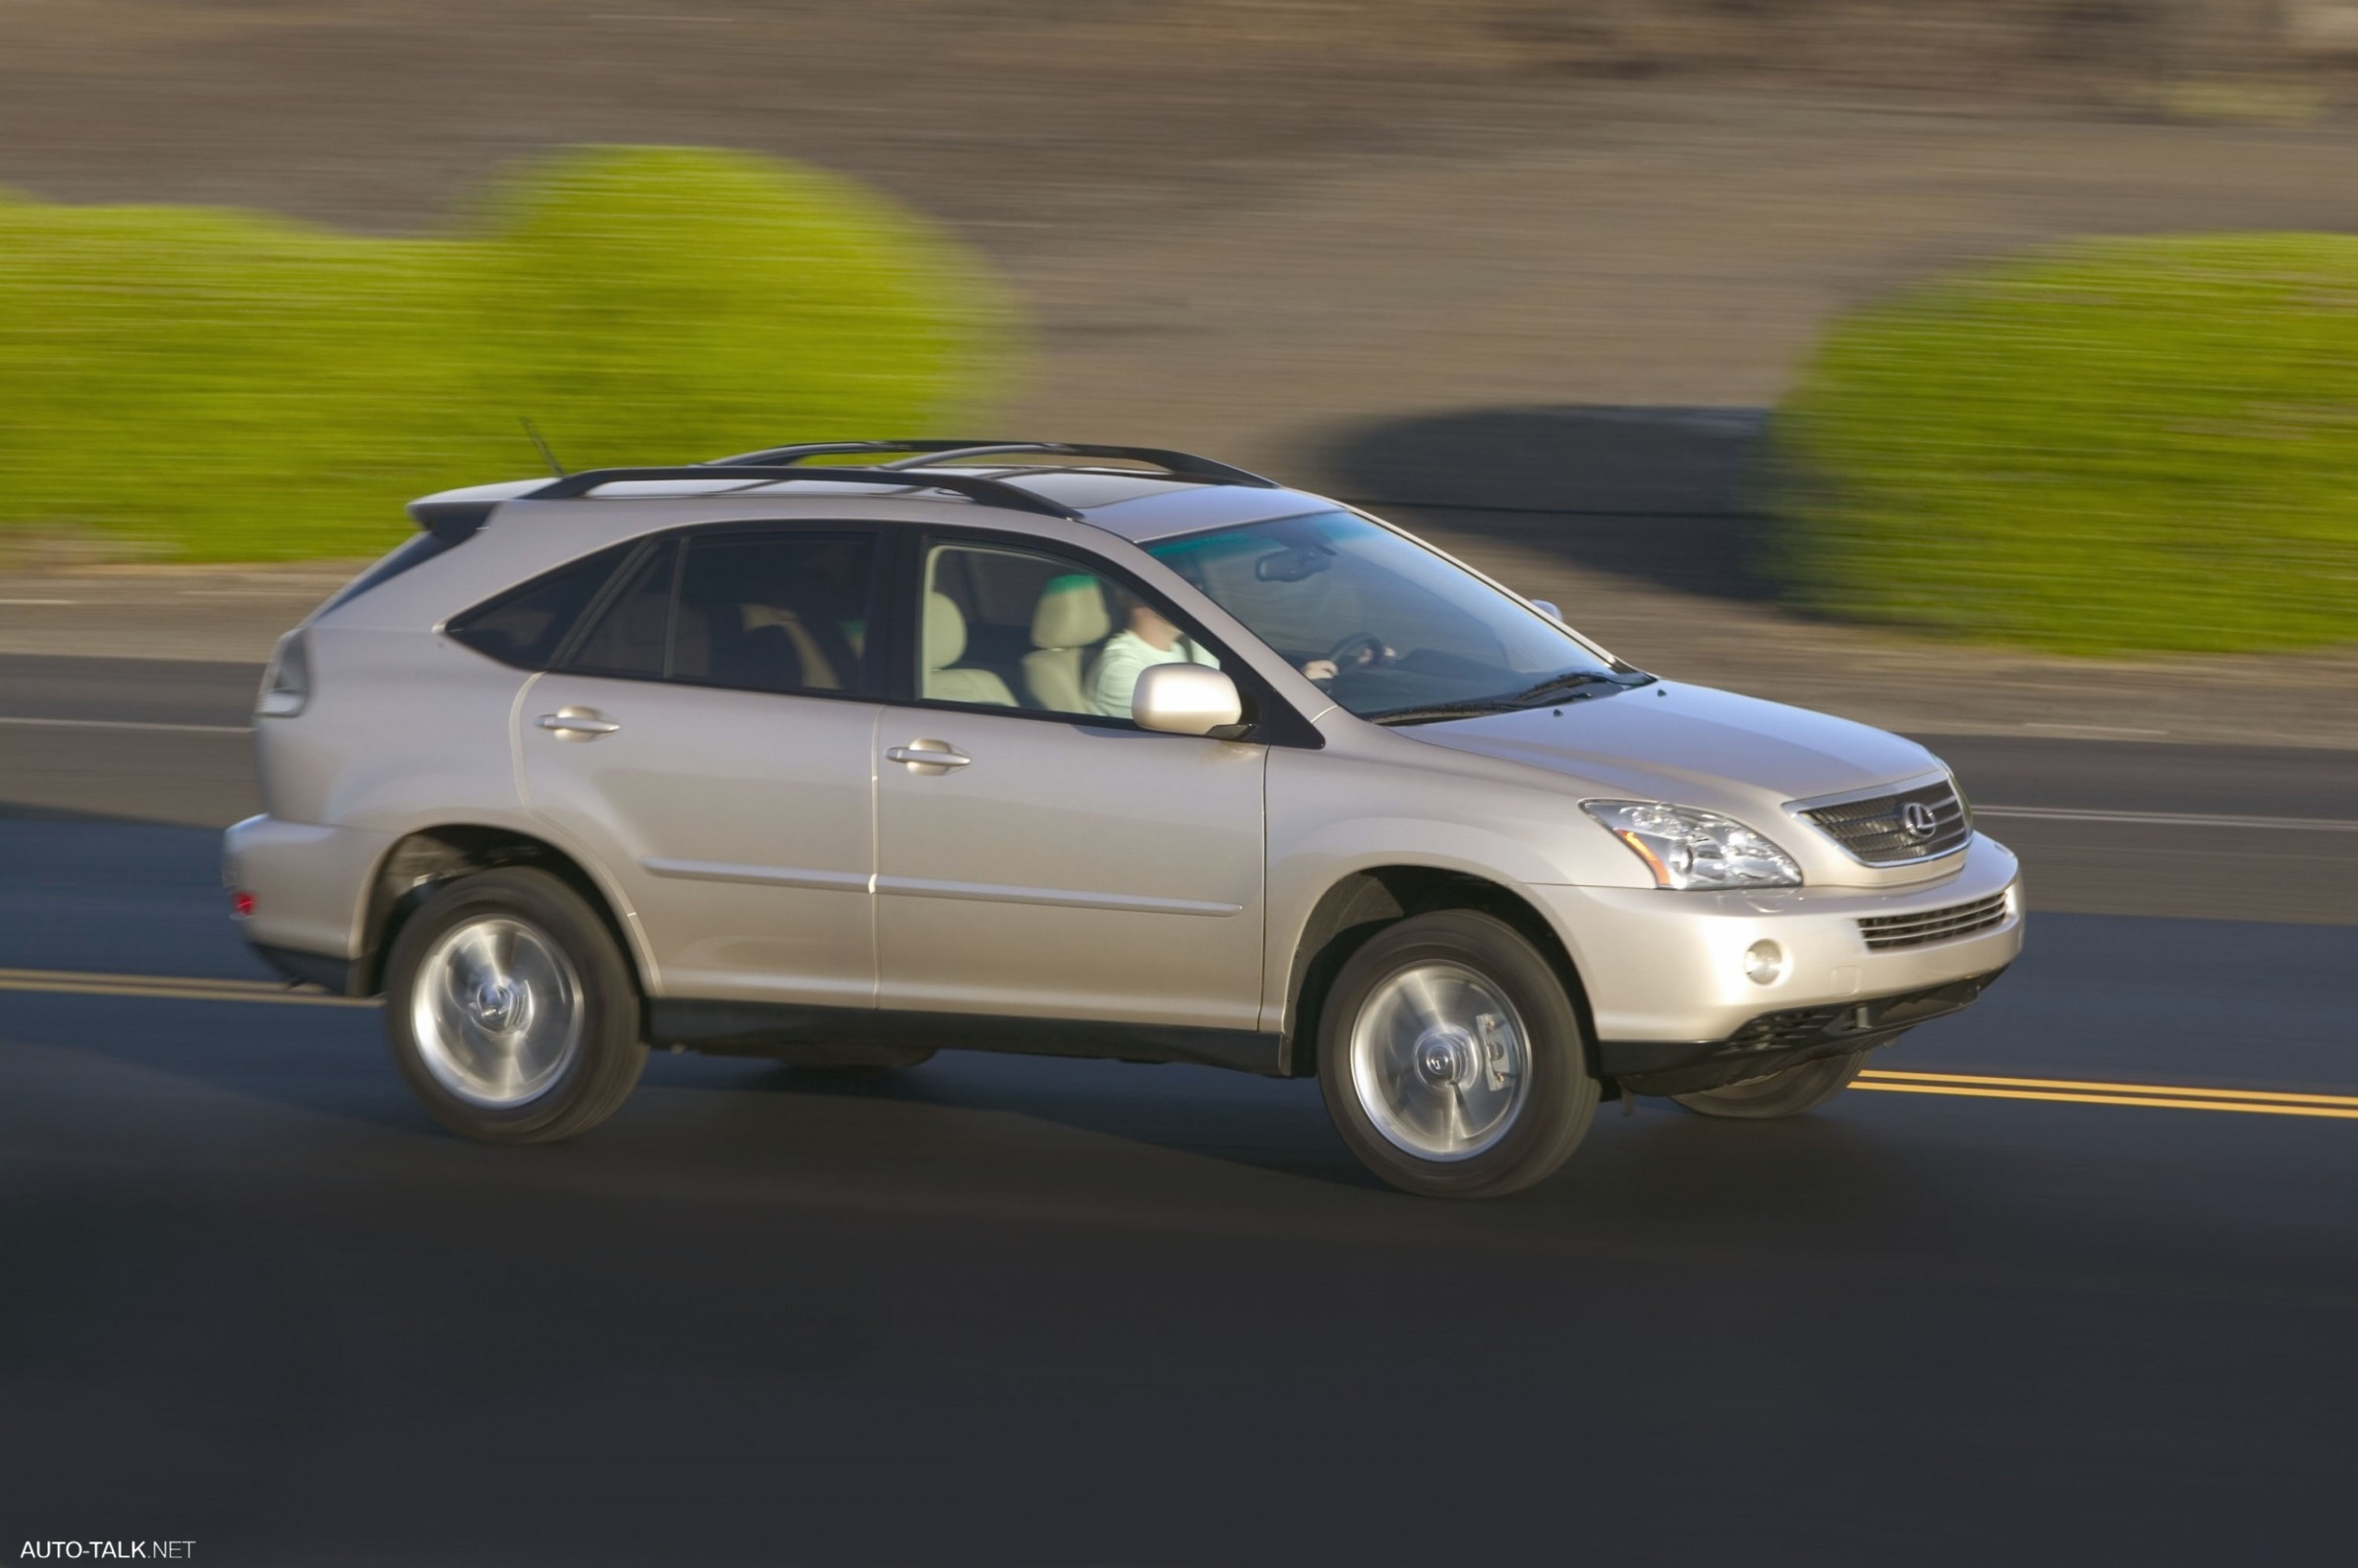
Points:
(510, 1010)
(1451, 1060)
(1798, 1089)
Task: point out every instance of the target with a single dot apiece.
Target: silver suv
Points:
(842, 753)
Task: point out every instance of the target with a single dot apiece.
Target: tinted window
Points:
(775, 612)
(628, 636)
(525, 626)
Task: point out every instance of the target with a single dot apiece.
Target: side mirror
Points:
(1548, 609)
(1185, 700)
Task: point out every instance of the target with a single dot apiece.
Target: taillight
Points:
(241, 903)
(287, 682)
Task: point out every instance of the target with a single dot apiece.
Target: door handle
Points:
(577, 724)
(927, 756)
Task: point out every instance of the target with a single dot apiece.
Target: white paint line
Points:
(129, 724)
(2095, 729)
(168, 987)
(40, 601)
(2047, 814)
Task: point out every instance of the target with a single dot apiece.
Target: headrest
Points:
(1071, 613)
(945, 632)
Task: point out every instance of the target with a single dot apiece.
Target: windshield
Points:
(1393, 632)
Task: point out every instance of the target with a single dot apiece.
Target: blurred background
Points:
(1763, 334)
(1983, 370)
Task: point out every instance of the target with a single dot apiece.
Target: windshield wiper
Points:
(1443, 710)
(1571, 681)
(1555, 687)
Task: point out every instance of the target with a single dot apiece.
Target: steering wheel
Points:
(1345, 654)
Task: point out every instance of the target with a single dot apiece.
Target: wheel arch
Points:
(1363, 901)
(422, 859)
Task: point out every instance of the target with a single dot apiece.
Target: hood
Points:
(1689, 745)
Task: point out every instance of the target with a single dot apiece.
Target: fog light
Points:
(1763, 963)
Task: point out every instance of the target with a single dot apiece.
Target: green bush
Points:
(2125, 445)
(212, 385)
(648, 303)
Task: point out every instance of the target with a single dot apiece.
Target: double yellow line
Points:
(2081, 1092)
(1969, 1085)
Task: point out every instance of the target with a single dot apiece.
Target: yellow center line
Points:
(2097, 1086)
(1968, 1086)
(2247, 1107)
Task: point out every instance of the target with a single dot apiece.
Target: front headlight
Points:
(1689, 849)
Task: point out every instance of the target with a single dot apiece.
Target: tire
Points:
(1792, 1092)
(510, 1010)
(1451, 1060)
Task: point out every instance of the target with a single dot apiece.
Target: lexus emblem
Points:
(1916, 820)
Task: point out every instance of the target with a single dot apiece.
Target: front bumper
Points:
(1774, 1042)
(1666, 969)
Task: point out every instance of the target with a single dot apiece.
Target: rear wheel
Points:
(510, 1010)
(1451, 1060)
(1790, 1093)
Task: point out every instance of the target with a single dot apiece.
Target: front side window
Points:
(1003, 626)
(1395, 633)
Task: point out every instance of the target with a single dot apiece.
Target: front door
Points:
(710, 742)
(1038, 855)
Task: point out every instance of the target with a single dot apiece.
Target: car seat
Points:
(944, 646)
(769, 624)
(718, 638)
(1069, 620)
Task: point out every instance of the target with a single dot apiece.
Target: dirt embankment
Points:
(2040, 43)
(1281, 232)
(1026, 112)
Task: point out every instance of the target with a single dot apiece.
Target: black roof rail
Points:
(1179, 465)
(992, 492)
(811, 449)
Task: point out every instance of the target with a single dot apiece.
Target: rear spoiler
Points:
(452, 521)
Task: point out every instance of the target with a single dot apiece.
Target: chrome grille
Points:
(1925, 926)
(1877, 830)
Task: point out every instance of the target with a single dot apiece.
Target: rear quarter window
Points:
(527, 626)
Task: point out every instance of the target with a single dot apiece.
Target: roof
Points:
(1137, 504)
(1139, 507)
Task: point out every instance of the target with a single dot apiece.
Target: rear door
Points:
(1037, 857)
(709, 739)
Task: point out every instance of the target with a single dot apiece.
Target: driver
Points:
(1147, 639)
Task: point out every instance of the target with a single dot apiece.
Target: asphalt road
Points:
(1000, 1308)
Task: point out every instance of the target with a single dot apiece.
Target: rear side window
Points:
(525, 626)
(630, 633)
(775, 612)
